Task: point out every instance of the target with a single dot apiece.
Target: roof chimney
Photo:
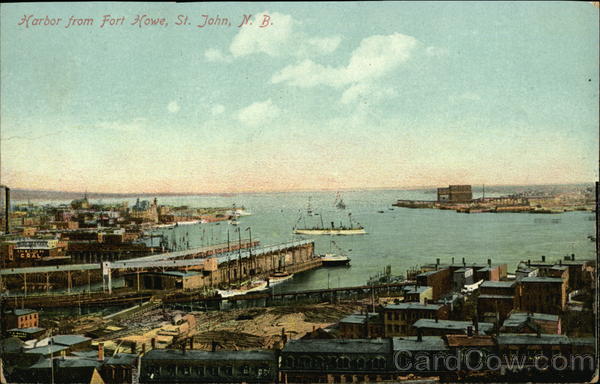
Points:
(419, 334)
(529, 262)
(213, 347)
(191, 343)
(452, 260)
(464, 262)
(572, 256)
(153, 343)
(143, 348)
(543, 258)
(489, 262)
(101, 352)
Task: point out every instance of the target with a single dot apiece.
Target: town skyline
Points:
(400, 95)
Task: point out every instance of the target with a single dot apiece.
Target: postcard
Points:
(312, 192)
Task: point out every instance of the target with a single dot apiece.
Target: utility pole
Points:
(250, 247)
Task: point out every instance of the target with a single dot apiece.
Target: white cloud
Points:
(217, 109)
(215, 55)
(375, 57)
(258, 113)
(173, 107)
(281, 39)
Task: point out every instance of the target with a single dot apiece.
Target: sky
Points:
(324, 96)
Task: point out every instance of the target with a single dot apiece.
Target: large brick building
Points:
(542, 294)
(455, 194)
(398, 318)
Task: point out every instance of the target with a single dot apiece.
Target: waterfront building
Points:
(455, 194)
(398, 318)
(496, 300)
(26, 333)
(440, 281)
(361, 326)
(82, 203)
(167, 280)
(144, 211)
(542, 294)
(337, 360)
(437, 327)
(20, 318)
(417, 293)
(523, 322)
(194, 366)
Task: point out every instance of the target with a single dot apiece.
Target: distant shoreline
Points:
(29, 194)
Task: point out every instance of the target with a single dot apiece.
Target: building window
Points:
(344, 362)
(263, 371)
(289, 362)
(170, 370)
(199, 371)
(213, 371)
(227, 370)
(185, 370)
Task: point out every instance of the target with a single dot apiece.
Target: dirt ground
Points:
(262, 328)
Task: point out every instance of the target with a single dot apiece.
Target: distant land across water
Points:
(18, 194)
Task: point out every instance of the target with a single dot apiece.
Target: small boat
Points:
(330, 259)
(279, 277)
(381, 211)
(255, 286)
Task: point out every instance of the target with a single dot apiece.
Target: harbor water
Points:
(400, 237)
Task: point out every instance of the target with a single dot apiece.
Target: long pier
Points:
(101, 299)
(220, 266)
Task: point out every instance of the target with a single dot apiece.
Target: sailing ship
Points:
(279, 277)
(339, 202)
(331, 259)
(254, 286)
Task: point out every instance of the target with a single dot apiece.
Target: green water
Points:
(401, 237)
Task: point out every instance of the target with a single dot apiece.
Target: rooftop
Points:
(30, 330)
(498, 284)
(339, 345)
(451, 325)
(176, 354)
(122, 359)
(427, 343)
(46, 350)
(357, 318)
(519, 317)
(429, 273)
(22, 312)
(69, 339)
(428, 307)
(531, 339)
(549, 280)
(67, 362)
